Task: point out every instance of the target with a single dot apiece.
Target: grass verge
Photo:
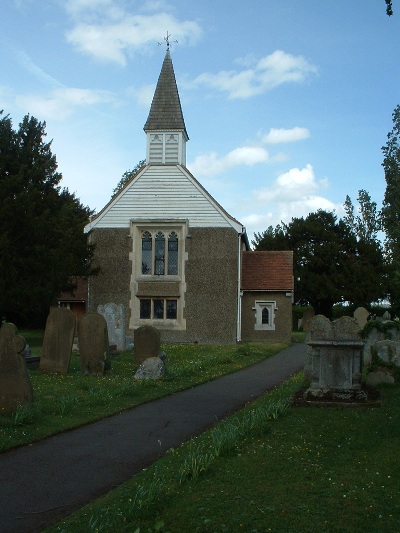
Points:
(313, 469)
(64, 402)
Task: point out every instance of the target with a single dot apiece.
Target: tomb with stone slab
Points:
(334, 360)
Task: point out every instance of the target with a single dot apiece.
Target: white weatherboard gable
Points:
(163, 192)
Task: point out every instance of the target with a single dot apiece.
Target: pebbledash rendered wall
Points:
(211, 275)
(283, 317)
(111, 285)
(211, 285)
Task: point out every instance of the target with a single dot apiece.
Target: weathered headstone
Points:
(15, 385)
(308, 315)
(380, 376)
(361, 315)
(58, 340)
(387, 316)
(334, 358)
(147, 343)
(115, 318)
(151, 368)
(377, 334)
(93, 344)
(388, 351)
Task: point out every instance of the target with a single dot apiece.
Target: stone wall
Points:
(283, 317)
(211, 275)
(211, 285)
(112, 256)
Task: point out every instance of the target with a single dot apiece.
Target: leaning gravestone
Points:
(15, 385)
(308, 315)
(147, 343)
(93, 344)
(58, 341)
(361, 315)
(115, 318)
(151, 368)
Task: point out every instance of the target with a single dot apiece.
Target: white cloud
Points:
(293, 185)
(280, 136)
(294, 194)
(210, 164)
(144, 95)
(117, 33)
(269, 72)
(62, 102)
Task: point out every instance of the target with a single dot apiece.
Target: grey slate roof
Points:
(166, 111)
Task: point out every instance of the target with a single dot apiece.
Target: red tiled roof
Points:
(79, 294)
(267, 270)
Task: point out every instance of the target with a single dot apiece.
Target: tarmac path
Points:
(44, 482)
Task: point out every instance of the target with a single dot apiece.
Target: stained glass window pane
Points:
(172, 254)
(159, 258)
(147, 246)
(171, 308)
(158, 309)
(145, 308)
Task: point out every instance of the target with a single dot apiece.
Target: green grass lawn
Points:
(267, 468)
(63, 402)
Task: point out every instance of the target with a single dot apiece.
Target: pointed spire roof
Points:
(166, 111)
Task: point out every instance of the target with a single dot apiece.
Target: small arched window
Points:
(265, 316)
(172, 253)
(147, 252)
(159, 255)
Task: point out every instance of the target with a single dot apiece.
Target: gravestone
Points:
(151, 368)
(334, 359)
(15, 385)
(93, 344)
(115, 318)
(361, 315)
(58, 341)
(388, 351)
(376, 335)
(308, 315)
(147, 343)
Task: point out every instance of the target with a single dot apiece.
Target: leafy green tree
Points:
(321, 246)
(330, 264)
(367, 223)
(42, 243)
(391, 206)
(127, 176)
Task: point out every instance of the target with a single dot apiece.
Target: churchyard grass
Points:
(61, 402)
(296, 469)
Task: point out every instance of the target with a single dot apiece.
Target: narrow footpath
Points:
(46, 481)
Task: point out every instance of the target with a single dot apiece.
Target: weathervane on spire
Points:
(167, 40)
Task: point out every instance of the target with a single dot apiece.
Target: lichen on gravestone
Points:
(15, 384)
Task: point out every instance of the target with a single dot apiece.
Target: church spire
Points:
(165, 125)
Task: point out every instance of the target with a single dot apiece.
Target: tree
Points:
(42, 243)
(321, 247)
(391, 206)
(127, 176)
(367, 223)
(330, 264)
(368, 276)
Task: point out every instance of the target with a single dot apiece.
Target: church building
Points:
(172, 255)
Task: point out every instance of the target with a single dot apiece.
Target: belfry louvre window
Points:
(160, 253)
(158, 309)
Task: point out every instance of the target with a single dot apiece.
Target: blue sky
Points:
(287, 103)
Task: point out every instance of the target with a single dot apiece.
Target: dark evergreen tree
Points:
(42, 243)
(391, 207)
(128, 175)
(330, 264)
